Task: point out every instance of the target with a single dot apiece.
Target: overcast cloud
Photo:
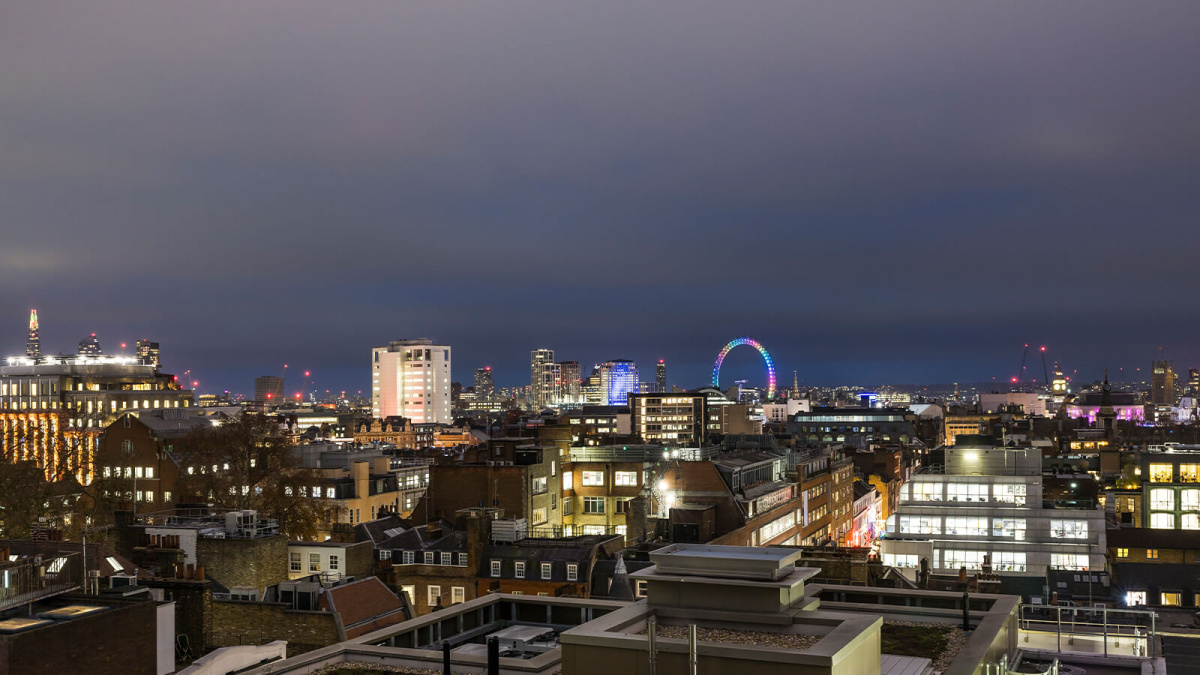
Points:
(880, 192)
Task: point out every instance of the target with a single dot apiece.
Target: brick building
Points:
(147, 450)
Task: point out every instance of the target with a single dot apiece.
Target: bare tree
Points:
(247, 463)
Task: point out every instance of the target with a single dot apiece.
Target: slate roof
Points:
(559, 552)
(376, 530)
(173, 426)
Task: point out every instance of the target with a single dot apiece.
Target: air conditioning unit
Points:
(119, 580)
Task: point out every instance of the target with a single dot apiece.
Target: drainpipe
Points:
(693, 668)
(651, 629)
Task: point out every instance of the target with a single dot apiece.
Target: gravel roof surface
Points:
(739, 637)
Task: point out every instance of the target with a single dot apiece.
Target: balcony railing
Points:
(24, 581)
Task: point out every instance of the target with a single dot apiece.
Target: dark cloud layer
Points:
(897, 192)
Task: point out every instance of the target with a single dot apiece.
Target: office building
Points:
(660, 376)
(590, 392)
(676, 420)
(541, 376)
(148, 351)
(268, 390)
(411, 378)
(857, 426)
(1162, 383)
(987, 509)
(618, 379)
(33, 345)
(90, 346)
(569, 383)
(52, 408)
(485, 386)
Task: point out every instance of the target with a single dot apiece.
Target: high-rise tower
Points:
(411, 378)
(148, 351)
(618, 379)
(541, 376)
(33, 346)
(660, 376)
(485, 386)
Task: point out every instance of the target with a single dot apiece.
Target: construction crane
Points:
(1045, 373)
(1021, 373)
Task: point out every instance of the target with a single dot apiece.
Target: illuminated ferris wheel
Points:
(738, 342)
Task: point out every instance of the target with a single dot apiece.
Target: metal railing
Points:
(1001, 668)
(1137, 627)
(25, 581)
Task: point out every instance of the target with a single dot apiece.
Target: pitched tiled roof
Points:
(376, 530)
(365, 605)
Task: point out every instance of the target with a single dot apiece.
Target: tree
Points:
(28, 499)
(247, 463)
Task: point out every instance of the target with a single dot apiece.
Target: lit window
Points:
(1068, 529)
(458, 594)
(626, 478)
(1152, 554)
(1190, 499)
(1170, 599)
(1161, 473)
(1069, 561)
(1162, 521)
(1122, 553)
(567, 480)
(314, 562)
(593, 478)
(1162, 498)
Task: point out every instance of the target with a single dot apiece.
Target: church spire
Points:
(33, 346)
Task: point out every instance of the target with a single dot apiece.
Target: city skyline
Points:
(877, 193)
(740, 364)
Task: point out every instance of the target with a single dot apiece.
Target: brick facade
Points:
(256, 623)
(255, 563)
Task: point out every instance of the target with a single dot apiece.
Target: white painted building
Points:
(411, 378)
(988, 501)
(1033, 404)
(781, 412)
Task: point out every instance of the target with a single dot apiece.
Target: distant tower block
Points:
(33, 346)
(90, 346)
(148, 351)
(660, 376)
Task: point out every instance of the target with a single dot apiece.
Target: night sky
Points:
(880, 192)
